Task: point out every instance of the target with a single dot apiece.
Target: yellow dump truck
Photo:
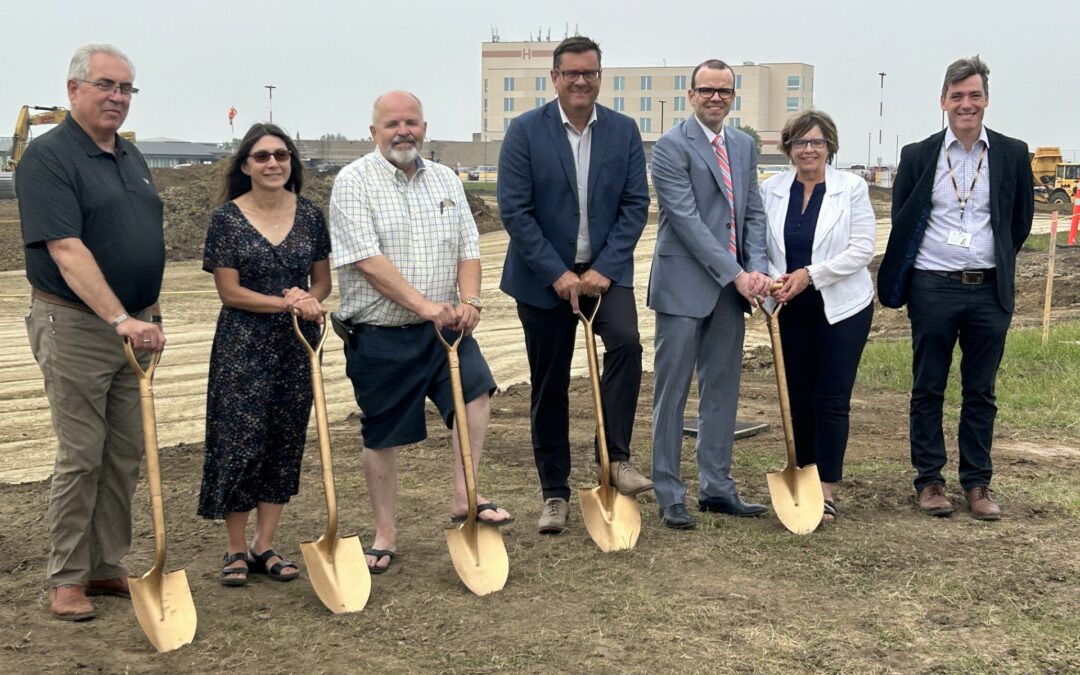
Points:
(1055, 180)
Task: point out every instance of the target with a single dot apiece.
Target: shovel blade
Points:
(164, 608)
(614, 528)
(797, 497)
(479, 557)
(338, 572)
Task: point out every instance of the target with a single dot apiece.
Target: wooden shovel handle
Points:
(598, 405)
(461, 421)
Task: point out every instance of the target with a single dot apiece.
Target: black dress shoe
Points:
(676, 517)
(732, 506)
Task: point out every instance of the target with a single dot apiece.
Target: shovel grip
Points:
(598, 405)
(322, 424)
(781, 383)
(461, 421)
(150, 444)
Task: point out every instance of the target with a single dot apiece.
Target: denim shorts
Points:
(394, 369)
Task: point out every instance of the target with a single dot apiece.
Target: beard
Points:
(407, 155)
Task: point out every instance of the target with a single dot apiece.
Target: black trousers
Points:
(944, 311)
(549, 341)
(821, 361)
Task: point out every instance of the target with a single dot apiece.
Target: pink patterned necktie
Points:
(725, 172)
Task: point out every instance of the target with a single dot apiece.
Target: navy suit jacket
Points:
(1012, 206)
(538, 201)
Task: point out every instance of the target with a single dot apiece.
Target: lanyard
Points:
(963, 199)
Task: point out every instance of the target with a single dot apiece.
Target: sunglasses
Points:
(263, 156)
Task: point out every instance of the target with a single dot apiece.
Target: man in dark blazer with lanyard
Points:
(573, 197)
(962, 208)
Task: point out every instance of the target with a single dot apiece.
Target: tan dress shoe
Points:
(553, 517)
(117, 586)
(981, 502)
(933, 502)
(68, 602)
(628, 480)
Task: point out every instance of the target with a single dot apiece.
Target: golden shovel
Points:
(476, 548)
(162, 601)
(335, 564)
(795, 492)
(612, 519)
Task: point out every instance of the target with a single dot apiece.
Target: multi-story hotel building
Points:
(516, 78)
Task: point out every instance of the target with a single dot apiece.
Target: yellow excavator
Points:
(27, 119)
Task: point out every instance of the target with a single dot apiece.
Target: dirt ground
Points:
(882, 590)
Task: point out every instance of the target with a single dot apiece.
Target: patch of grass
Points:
(479, 186)
(1036, 387)
(1041, 242)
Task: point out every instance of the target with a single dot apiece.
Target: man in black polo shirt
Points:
(95, 256)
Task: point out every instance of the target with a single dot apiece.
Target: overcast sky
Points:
(329, 59)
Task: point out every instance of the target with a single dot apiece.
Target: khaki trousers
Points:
(94, 399)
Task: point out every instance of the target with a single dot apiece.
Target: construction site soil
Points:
(882, 590)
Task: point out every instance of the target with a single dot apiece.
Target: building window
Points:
(646, 82)
(508, 105)
(506, 123)
(485, 85)
(793, 81)
(541, 84)
(620, 104)
(680, 103)
(737, 105)
(620, 83)
(646, 104)
(734, 122)
(793, 104)
(540, 101)
(645, 123)
(676, 121)
(738, 81)
(680, 82)
(508, 84)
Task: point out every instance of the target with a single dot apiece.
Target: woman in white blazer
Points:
(821, 239)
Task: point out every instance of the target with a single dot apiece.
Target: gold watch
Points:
(475, 301)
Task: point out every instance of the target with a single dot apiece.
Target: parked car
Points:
(463, 172)
(484, 173)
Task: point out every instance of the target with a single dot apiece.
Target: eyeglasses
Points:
(726, 93)
(572, 75)
(263, 156)
(126, 89)
(815, 143)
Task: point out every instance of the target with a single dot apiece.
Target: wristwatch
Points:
(475, 301)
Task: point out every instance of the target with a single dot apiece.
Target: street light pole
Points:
(881, 116)
(270, 88)
(662, 102)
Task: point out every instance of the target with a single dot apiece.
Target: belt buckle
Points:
(971, 277)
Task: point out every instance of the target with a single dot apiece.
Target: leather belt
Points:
(57, 300)
(969, 277)
(581, 268)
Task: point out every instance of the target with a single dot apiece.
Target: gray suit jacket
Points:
(691, 262)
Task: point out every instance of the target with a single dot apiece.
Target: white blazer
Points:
(843, 240)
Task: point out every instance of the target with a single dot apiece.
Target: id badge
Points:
(958, 238)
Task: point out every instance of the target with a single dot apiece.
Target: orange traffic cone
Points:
(1075, 217)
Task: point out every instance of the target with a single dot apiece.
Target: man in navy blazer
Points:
(709, 265)
(574, 199)
(962, 207)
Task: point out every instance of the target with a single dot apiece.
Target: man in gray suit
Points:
(709, 266)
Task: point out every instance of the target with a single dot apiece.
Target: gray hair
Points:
(375, 105)
(80, 62)
(962, 69)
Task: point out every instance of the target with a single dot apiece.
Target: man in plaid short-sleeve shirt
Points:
(406, 250)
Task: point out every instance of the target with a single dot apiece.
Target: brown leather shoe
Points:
(981, 502)
(933, 502)
(68, 602)
(628, 480)
(117, 586)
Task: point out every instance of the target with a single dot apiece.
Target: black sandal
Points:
(258, 561)
(234, 576)
(830, 510)
(379, 554)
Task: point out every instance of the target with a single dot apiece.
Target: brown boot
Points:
(117, 586)
(981, 502)
(68, 602)
(628, 480)
(933, 502)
